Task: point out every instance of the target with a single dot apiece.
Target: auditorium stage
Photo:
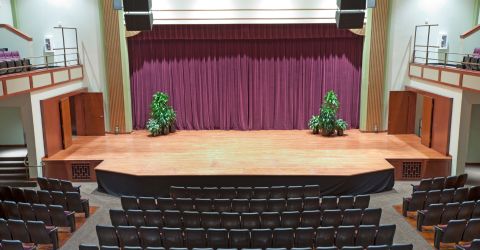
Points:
(137, 164)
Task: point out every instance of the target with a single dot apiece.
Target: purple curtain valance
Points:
(243, 32)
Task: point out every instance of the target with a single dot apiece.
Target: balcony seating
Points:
(246, 205)
(439, 183)
(230, 220)
(422, 199)
(35, 232)
(51, 215)
(245, 192)
(288, 238)
(456, 231)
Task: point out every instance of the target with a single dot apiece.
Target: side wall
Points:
(81, 14)
(474, 136)
(11, 129)
(6, 12)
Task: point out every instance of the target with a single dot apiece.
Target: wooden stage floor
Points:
(279, 152)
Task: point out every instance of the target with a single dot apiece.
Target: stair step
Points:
(6, 158)
(13, 170)
(11, 164)
(18, 183)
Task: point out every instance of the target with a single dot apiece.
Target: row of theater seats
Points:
(374, 247)
(35, 232)
(52, 184)
(441, 214)
(169, 238)
(70, 201)
(457, 231)
(10, 62)
(422, 199)
(471, 63)
(229, 220)
(245, 192)
(51, 215)
(440, 183)
(246, 205)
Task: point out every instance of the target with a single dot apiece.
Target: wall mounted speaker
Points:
(138, 21)
(137, 5)
(350, 19)
(371, 4)
(351, 4)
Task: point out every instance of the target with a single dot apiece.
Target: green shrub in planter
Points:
(341, 126)
(328, 113)
(314, 124)
(162, 116)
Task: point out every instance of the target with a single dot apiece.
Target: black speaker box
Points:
(138, 21)
(351, 4)
(137, 5)
(352, 19)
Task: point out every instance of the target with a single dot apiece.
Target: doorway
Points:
(69, 115)
(472, 165)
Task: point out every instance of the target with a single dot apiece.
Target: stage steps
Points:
(13, 171)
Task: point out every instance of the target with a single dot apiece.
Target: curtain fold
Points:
(246, 77)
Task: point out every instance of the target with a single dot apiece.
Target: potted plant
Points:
(314, 124)
(328, 113)
(162, 116)
(340, 126)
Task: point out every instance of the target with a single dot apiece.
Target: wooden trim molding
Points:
(470, 32)
(16, 31)
(29, 75)
(473, 77)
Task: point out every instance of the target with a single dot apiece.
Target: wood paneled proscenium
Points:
(113, 63)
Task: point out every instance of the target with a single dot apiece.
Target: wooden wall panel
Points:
(116, 105)
(376, 79)
(66, 122)
(401, 112)
(426, 135)
(442, 117)
(52, 131)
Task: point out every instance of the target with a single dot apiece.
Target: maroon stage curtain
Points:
(245, 77)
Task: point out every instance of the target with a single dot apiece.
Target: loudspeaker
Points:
(351, 4)
(138, 21)
(137, 5)
(350, 19)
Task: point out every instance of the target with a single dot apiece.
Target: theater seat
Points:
(261, 238)
(230, 220)
(325, 237)
(283, 237)
(172, 218)
(195, 238)
(239, 238)
(128, 236)
(475, 244)
(172, 237)
(191, 219)
(150, 237)
(217, 238)
(401, 247)
(385, 234)
(77, 204)
(40, 234)
(107, 235)
(451, 233)
(304, 237)
(365, 235)
(250, 220)
(15, 245)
